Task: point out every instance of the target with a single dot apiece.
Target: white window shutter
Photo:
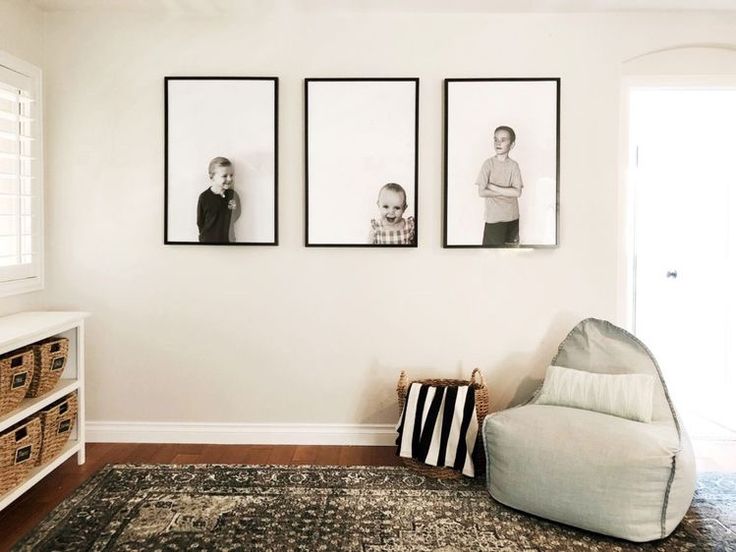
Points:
(21, 171)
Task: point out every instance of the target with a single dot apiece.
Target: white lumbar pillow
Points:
(624, 395)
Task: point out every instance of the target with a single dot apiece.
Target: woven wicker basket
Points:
(57, 423)
(16, 373)
(477, 382)
(49, 361)
(20, 447)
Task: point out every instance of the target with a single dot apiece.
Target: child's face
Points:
(502, 142)
(391, 205)
(222, 178)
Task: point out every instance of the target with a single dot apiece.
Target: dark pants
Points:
(501, 234)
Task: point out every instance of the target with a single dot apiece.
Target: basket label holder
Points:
(64, 426)
(19, 380)
(23, 453)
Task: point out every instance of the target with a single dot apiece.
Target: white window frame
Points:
(11, 282)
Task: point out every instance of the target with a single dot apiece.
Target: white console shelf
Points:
(19, 330)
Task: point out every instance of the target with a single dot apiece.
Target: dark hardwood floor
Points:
(26, 512)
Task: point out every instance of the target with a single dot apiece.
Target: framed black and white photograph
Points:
(221, 183)
(502, 156)
(361, 162)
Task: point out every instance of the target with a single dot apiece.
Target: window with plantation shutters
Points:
(21, 251)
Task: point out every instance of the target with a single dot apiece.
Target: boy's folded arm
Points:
(486, 192)
(507, 191)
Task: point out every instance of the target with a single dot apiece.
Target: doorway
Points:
(683, 179)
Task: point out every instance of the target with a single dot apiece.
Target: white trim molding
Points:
(241, 434)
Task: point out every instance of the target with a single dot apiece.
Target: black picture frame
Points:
(360, 135)
(236, 118)
(474, 108)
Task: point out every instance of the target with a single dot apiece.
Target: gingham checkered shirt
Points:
(402, 234)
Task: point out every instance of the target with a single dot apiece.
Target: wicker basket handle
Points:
(21, 433)
(403, 384)
(477, 378)
(402, 387)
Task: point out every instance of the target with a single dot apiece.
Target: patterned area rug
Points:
(361, 509)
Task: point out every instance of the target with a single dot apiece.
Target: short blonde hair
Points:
(512, 134)
(393, 187)
(218, 162)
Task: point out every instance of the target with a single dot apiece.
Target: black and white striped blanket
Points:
(439, 427)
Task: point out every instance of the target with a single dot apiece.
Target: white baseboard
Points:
(241, 434)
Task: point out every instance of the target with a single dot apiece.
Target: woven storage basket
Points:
(20, 447)
(16, 373)
(49, 361)
(57, 422)
(477, 382)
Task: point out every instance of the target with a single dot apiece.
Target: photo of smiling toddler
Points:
(391, 228)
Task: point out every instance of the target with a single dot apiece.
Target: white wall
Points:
(21, 30)
(290, 334)
(21, 35)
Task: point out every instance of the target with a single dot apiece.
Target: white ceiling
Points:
(411, 6)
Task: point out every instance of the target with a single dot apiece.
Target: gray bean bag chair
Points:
(595, 471)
